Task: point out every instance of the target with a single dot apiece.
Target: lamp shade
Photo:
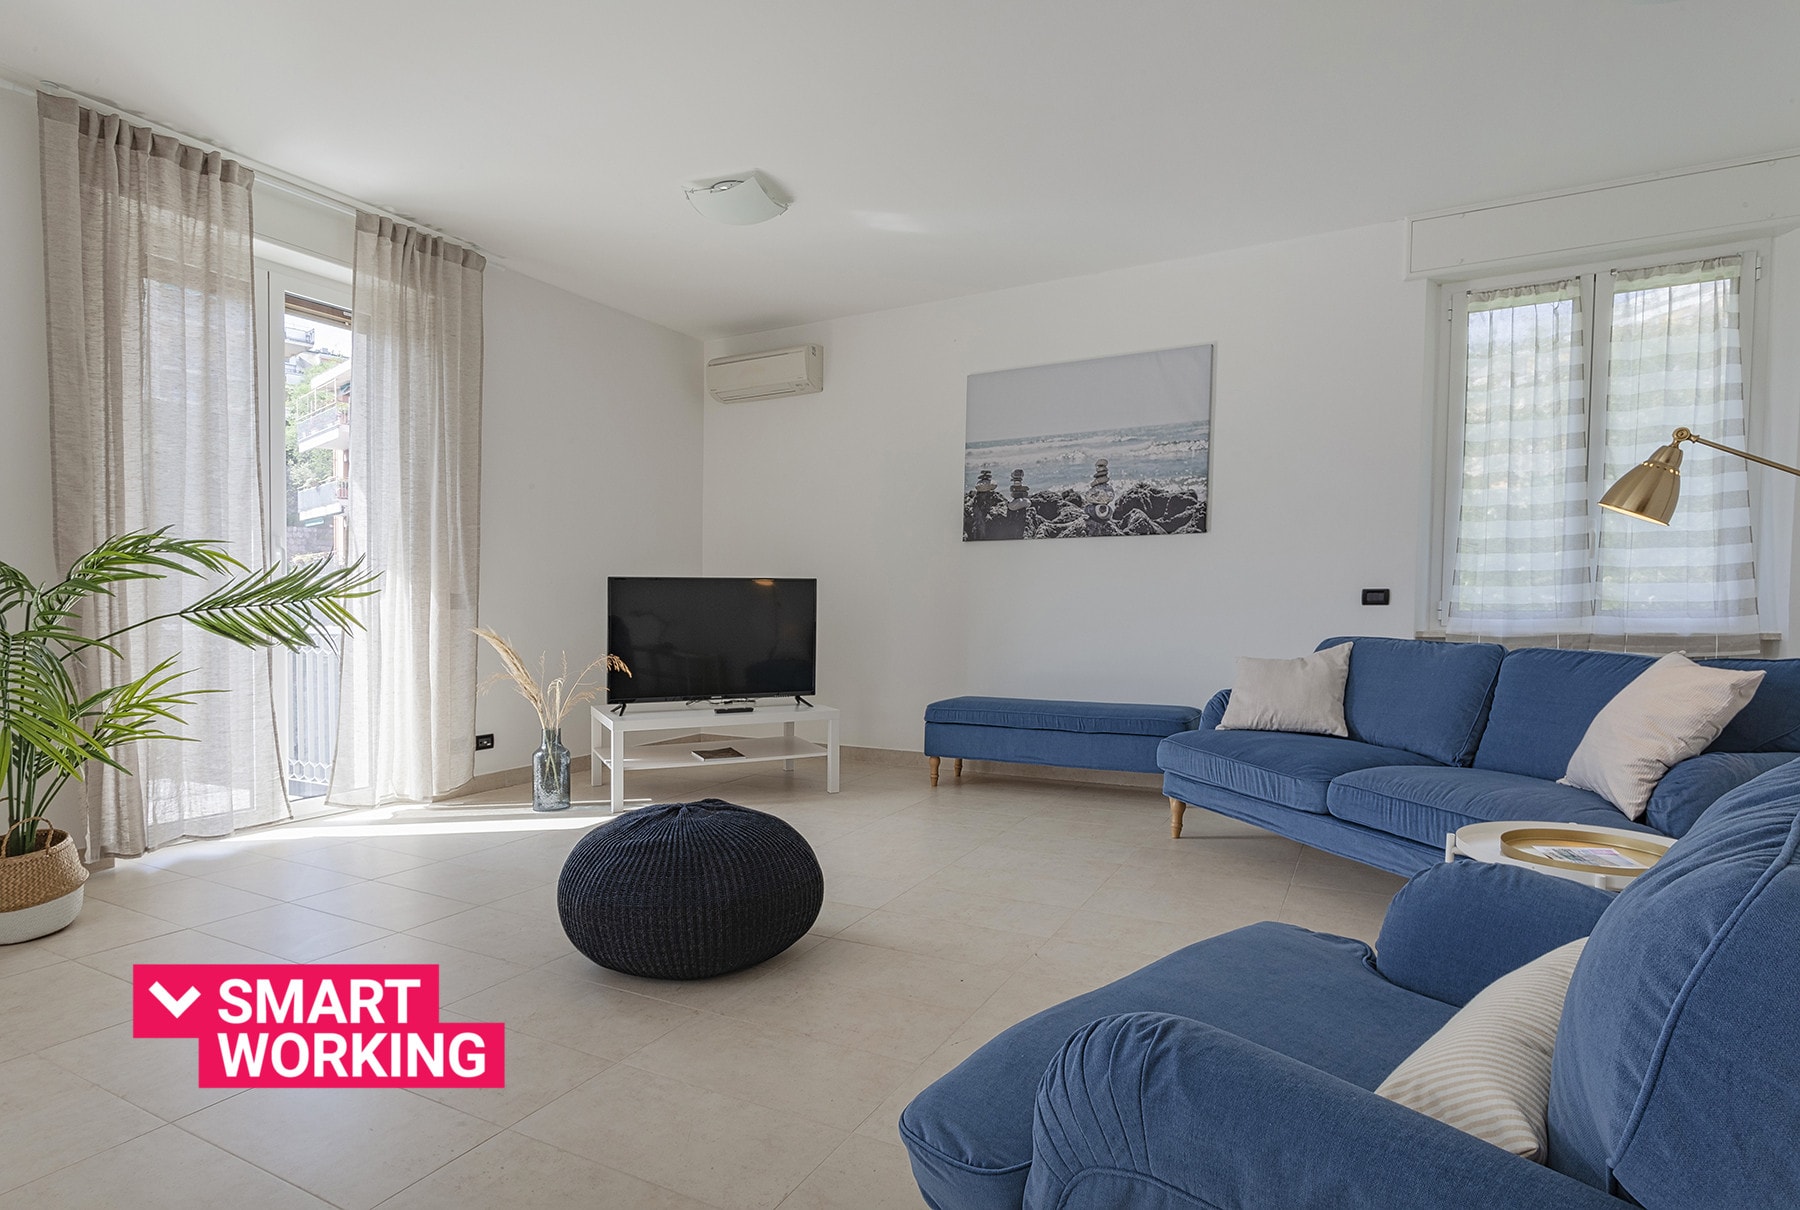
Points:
(1650, 489)
(738, 201)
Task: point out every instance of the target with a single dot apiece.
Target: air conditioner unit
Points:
(796, 371)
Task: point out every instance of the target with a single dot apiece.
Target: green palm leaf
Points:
(293, 609)
(16, 588)
(140, 710)
(51, 732)
(36, 694)
(140, 555)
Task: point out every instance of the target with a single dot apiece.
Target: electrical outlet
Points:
(484, 741)
(1375, 596)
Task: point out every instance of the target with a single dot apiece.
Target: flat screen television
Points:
(696, 638)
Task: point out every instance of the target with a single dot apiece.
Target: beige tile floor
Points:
(950, 914)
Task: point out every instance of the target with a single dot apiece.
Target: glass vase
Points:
(550, 773)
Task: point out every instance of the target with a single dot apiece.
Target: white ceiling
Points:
(933, 148)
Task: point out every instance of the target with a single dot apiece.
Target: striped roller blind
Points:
(1674, 360)
(1523, 564)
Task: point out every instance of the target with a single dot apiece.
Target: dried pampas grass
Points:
(553, 697)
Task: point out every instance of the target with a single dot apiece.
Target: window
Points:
(307, 389)
(1560, 385)
(316, 436)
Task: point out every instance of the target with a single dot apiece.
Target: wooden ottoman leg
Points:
(1177, 809)
(934, 765)
(959, 766)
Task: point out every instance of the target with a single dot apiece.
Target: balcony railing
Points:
(312, 719)
(322, 500)
(327, 426)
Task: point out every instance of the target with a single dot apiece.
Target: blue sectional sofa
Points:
(1238, 1072)
(1447, 734)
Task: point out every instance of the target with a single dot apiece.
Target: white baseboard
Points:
(499, 779)
(891, 758)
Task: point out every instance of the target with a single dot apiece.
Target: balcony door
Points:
(308, 392)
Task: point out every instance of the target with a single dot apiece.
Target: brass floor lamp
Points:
(1650, 489)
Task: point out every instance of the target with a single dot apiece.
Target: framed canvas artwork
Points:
(1111, 447)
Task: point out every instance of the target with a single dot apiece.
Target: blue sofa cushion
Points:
(1314, 998)
(1771, 722)
(1276, 766)
(1543, 704)
(1069, 749)
(1457, 926)
(1427, 804)
(1148, 1111)
(1687, 790)
(1034, 714)
(1677, 1067)
(1429, 698)
(1545, 699)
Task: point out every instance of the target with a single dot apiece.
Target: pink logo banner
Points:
(369, 1025)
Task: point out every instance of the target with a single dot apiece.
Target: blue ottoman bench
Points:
(1080, 735)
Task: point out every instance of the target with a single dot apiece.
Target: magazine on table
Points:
(1586, 855)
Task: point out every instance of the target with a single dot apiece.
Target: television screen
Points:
(690, 638)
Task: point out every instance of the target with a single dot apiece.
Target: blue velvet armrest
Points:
(1158, 1112)
(1687, 790)
(1458, 926)
(1214, 710)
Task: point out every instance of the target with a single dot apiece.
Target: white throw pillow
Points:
(1487, 1071)
(1304, 695)
(1672, 711)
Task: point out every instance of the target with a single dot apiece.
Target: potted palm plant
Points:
(52, 730)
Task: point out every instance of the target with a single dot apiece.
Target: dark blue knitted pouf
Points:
(688, 890)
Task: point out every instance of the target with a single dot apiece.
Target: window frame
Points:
(274, 281)
(1450, 306)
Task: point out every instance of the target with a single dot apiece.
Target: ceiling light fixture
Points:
(738, 200)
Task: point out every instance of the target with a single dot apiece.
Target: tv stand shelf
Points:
(620, 743)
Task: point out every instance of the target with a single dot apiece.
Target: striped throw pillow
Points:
(1487, 1071)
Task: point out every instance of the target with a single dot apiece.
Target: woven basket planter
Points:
(40, 891)
(689, 890)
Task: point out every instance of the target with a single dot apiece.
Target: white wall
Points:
(590, 467)
(25, 538)
(1319, 464)
(25, 533)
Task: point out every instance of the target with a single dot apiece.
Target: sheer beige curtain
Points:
(154, 422)
(406, 718)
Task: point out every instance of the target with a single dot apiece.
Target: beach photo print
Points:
(1111, 447)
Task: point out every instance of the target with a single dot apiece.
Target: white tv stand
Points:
(613, 752)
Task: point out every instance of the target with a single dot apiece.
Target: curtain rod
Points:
(265, 174)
